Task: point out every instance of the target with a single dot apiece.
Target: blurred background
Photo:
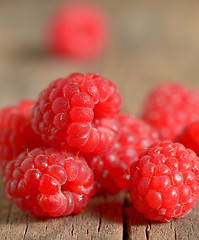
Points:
(150, 41)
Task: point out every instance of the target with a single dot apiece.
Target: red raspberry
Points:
(74, 110)
(189, 137)
(16, 134)
(111, 169)
(45, 182)
(78, 30)
(164, 182)
(170, 107)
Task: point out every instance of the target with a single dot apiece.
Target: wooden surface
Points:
(151, 41)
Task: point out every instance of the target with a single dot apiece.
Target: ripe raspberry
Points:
(78, 30)
(164, 182)
(16, 134)
(75, 111)
(111, 169)
(170, 107)
(189, 137)
(45, 182)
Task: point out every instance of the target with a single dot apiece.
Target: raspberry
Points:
(111, 169)
(78, 110)
(189, 137)
(164, 182)
(16, 134)
(170, 107)
(78, 30)
(46, 182)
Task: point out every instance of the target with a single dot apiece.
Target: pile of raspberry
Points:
(72, 142)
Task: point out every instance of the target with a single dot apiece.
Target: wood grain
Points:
(151, 41)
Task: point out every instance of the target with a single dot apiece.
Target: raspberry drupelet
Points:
(78, 110)
(78, 30)
(46, 182)
(170, 107)
(112, 169)
(164, 182)
(16, 134)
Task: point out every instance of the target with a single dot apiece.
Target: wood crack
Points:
(26, 229)
(100, 222)
(72, 230)
(174, 229)
(148, 228)
(175, 234)
(125, 230)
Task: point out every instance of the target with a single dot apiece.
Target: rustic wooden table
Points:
(151, 41)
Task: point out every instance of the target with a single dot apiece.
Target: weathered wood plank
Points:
(163, 231)
(135, 225)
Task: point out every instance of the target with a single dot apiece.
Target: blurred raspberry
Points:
(79, 30)
(189, 137)
(170, 107)
(46, 182)
(111, 170)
